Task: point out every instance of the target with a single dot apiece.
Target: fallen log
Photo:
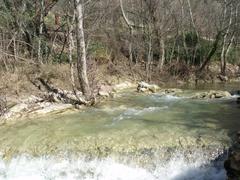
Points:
(54, 94)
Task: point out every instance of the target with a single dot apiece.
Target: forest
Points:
(145, 39)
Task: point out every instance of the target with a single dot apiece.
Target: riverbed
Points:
(131, 137)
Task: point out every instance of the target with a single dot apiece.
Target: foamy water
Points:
(72, 168)
(133, 112)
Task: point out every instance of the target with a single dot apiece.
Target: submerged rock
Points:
(145, 87)
(212, 95)
(172, 91)
(232, 164)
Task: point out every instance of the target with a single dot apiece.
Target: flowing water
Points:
(131, 137)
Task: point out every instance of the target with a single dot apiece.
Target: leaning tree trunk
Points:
(211, 52)
(81, 50)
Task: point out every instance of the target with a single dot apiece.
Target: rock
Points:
(235, 92)
(238, 100)
(105, 91)
(123, 86)
(145, 87)
(172, 91)
(232, 164)
(103, 94)
(221, 94)
(33, 105)
(18, 108)
(32, 99)
(15, 112)
(179, 82)
(154, 88)
(222, 78)
(51, 107)
(143, 90)
(212, 95)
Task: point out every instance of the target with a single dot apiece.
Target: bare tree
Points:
(231, 16)
(70, 24)
(81, 49)
(39, 55)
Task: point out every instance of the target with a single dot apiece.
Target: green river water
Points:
(131, 137)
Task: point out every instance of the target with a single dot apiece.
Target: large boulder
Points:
(212, 95)
(232, 164)
(145, 87)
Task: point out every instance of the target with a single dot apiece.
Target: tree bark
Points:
(70, 50)
(149, 58)
(81, 50)
(39, 58)
(130, 26)
(225, 37)
(162, 60)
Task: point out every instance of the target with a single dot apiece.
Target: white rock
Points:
(51, 107)
(123, 86)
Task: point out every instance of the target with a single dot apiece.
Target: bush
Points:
(99, 52)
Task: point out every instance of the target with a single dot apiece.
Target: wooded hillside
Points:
(155, 36)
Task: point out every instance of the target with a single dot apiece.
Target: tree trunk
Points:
(81, 50)
(183, 31)
(130, 25)
(149, 59)
(70, 51)
(39, 57)
(196, 31)
(173, 50)
(162, 60)
(131, 46)
(224, 48)
(211, 52)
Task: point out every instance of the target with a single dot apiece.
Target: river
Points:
(131, 137)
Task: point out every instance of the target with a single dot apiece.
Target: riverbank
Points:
(38, 105)
(23, 99)
(17, 85)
